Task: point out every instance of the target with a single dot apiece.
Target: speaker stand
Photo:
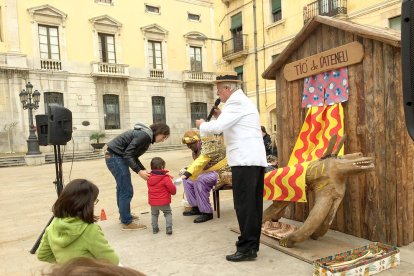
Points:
(59, 187)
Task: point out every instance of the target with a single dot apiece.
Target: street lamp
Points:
(31, 101)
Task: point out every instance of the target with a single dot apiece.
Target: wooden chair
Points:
(216, 197)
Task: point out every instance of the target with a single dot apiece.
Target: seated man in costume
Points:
(202, 175)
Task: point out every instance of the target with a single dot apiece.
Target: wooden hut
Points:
(379, 205)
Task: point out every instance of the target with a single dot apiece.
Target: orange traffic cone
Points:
(103, 215)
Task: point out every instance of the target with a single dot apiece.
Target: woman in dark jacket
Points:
(122, 154)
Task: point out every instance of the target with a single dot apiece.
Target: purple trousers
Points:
(198, 191)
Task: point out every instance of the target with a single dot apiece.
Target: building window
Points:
(52, 98)
(106, 48)
(328, 7)
(110, 2)
(152, 9)
(198, 111)
(158, 110)
(111, 111)
(395, 23)
(276, 10)
(195, 59)
(193, 17)
(155, 54)
(49, 42)
(239, 71)
(237, 32)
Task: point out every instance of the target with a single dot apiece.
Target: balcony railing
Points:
(324, 7)
(198, 77)
(110, 69)
(156, 73)
(235, 46)
(51, 64)
(110, 2)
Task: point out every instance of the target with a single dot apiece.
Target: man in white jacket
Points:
(246, 155)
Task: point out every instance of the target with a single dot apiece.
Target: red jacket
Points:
(160, 188)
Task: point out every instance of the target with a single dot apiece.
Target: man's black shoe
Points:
(203, 218)
(240, 257)
(193, 212)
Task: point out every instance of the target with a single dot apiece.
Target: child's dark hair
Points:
(157, 163)
(77, 200)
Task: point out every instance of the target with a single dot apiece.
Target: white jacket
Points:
(240, 123)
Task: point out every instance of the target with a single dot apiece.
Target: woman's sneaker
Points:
(133, 226)
(134, 217)
(169, 231)
(155, 230)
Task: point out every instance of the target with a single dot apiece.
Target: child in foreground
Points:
(160, 189)
(73, 232)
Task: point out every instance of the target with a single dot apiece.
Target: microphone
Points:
(216, 103)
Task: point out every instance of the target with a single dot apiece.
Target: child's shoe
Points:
(169, 231)
(155, 230)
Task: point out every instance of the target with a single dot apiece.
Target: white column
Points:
(12, 26)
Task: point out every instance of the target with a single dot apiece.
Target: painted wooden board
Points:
(310, 250)
(338, 57)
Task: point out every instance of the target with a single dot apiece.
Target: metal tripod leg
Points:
(59, 187)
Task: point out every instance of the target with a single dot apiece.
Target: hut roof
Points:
(385, 35)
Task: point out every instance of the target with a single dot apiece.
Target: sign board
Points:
(344, 55)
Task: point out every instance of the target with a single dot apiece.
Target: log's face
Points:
(348, 167)
(338, 167)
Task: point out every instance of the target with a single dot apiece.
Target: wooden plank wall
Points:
(378, 206)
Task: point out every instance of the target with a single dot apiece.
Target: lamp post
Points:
(31, 101)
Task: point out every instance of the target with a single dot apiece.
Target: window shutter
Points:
(395, 23)
(276, 6)
(236, 21)
(239, 70)
(198, 111)
(158, 109)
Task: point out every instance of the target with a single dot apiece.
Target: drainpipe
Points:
(255, 56)
(264, 54)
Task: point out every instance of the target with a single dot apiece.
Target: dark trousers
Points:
(248, 183)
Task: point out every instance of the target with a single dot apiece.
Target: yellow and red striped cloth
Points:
(321, 123)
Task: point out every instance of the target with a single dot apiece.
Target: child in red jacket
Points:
(160, 189)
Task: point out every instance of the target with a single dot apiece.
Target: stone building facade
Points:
(112, 63)
(273, 24)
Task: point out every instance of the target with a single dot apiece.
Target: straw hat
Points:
(230, 76)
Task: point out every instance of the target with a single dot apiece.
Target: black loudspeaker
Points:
(407, 62)
(41, 125)
(59, 130)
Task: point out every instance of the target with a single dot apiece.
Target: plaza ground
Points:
(27, 194)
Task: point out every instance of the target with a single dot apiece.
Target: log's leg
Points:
(275, 211)
(328, 220)
(316, 216)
